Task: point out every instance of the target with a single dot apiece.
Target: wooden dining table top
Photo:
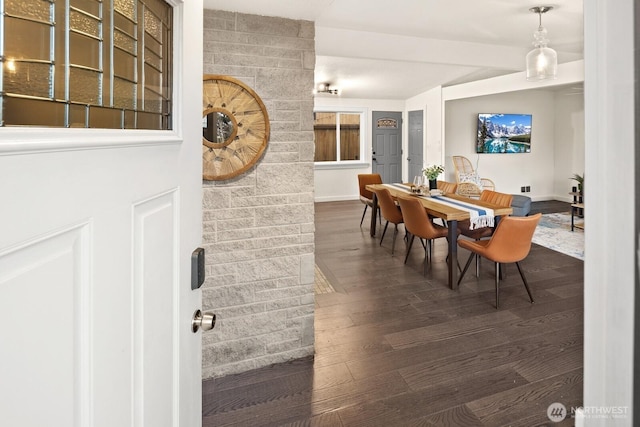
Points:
(440, 210)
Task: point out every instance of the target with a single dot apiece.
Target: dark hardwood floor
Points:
(396, 348)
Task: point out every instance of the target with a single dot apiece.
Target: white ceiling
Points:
(394, 50)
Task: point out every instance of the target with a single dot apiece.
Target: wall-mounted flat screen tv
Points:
(504, 133)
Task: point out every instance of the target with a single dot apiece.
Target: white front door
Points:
(96, 234)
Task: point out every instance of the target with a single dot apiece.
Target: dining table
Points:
(449, 207)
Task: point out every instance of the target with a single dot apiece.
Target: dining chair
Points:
(490, 196)
(447, 187)
(417, 223)
(391, 212)
(366, 196)
(510, 243)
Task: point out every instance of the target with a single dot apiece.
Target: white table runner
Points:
(479, 216)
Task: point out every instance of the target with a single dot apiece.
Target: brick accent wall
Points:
(259, 226)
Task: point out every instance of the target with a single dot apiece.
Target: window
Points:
(338, 136)
(86, 63)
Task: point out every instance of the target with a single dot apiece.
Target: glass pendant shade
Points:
(542, 64)
(542, 61)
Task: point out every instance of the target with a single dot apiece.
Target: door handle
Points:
(205, 321)
(374, 159)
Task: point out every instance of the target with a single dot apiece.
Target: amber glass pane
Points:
(152, 59)
(106, 118)
(89, 6)
(124, 94)
(152, 25)
(124, 25)
(77, 116)
(84, 86)
(149, 121)
(84, 51)
(160, 9)
(129, 119)
(39, 9)
(124, 65)
(152, 102)
(32, 112)
(126, 8)
(124, 42)
(152, 79)
(153, 46)
(33, 79)
(84, 23)
(28, 40)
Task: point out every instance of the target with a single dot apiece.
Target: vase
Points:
(433, 184)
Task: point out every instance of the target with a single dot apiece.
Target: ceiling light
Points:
(326, 88)
(542, 61)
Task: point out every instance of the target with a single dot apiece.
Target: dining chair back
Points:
(447, 187)
(418, 223)
(510, 243)
(366, 196)
(391, 212)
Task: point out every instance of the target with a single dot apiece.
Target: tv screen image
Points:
(504, 133)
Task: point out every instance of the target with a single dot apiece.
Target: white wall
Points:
(541, 168)
(338, 182)
(569, 140)
(610, 265)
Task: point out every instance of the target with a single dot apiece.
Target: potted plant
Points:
(580, 180)
(432, 172)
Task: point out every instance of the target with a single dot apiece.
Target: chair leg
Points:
(497, 284)
(363, 214)
(526, 285)
(426, 258)
(466, 267)
(384, 231)
(409, 247)
(393, 242)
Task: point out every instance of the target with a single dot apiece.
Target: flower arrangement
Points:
(432, 172)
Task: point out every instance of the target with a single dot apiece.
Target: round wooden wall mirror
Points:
(235, 127)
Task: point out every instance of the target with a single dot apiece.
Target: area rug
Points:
(554, 232)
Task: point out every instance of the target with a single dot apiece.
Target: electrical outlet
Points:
(528, 189)
(522, 189)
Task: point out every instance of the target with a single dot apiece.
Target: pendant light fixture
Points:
(542, 61)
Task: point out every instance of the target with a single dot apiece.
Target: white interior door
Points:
(96, 234)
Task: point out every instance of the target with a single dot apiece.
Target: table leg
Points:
(374, 216)
(453, 254)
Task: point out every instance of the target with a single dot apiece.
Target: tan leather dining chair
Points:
(510, 243)
(417, 223)
(366, 196)
(501, 199)
(391, 212)
(447, 187)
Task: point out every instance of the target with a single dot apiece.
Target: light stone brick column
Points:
(259, 226)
